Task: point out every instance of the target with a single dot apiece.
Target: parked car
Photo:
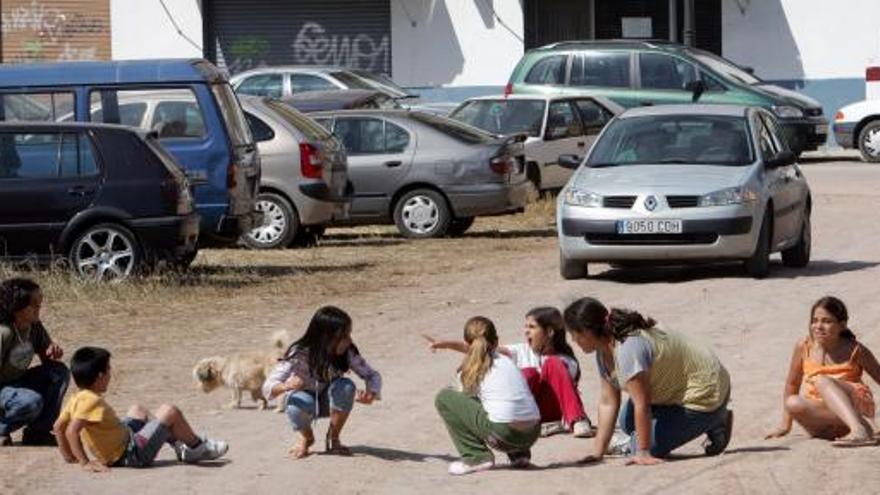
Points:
(635, 73)
(555, 125)
(857, 125)
(341, 99)
(107, 198)
(202, 126)
(683, 183)
(429, 175)
(304, 184)
(284, 81)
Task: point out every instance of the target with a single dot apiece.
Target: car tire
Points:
(421, 214)
(572, 269)
(106, 252)
(280, 223)
(758, 265)
(459, 226)
(869, 142)
(798, 256)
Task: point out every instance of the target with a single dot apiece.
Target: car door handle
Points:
(393, 163)
(581, 144)
(80, 191)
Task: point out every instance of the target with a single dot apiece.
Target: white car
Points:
(857, 125)
(555, 125)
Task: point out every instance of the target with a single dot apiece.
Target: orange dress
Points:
(849, 371)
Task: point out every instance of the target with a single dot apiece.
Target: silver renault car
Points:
(684, 183)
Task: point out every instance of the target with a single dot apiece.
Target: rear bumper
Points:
(175, 236)
(805, 134)
(487, 199)
(323, 204)
(843, 134)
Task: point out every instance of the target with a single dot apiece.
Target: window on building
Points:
(262, 85)
(548, 70)
(37, 107)
(604, 69)
(660, 71)
(308, 82)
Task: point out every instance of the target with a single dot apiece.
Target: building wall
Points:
(55, 30)
(141, 29)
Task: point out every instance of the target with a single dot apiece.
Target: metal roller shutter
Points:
(53, 30)
(243, 34)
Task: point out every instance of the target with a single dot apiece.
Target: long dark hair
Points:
(15, 295)
(588, 315)
(551, 322)
(327, 326)
(838, 310)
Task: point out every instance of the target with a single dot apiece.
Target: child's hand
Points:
(643, 460)
(432, 343)
(365, 397)
(95, 467)
(54, 352)
(294, 383)
(778, 433)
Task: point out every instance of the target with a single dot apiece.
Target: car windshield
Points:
(307, 126)
(725, 68)
(503, 116)
(453, 128)
(674, 139)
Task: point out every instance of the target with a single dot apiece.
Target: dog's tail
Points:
(280, 339)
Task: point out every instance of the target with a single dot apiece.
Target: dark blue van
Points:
(189, 103)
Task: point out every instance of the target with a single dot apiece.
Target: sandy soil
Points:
(395, 291)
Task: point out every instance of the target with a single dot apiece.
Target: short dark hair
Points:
(15, 295)
(87, 363)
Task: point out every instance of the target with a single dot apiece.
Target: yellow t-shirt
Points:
(104, 435)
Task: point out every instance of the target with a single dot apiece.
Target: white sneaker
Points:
(619, 444)
(583, 429)
(552, 428)
(208, 450)
(459, 468)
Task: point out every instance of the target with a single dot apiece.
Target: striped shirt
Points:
(298, 364)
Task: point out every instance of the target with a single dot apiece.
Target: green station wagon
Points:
(639, 73)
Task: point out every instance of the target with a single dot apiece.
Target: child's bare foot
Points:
(864, 437)
(334, 447)
(301, 448)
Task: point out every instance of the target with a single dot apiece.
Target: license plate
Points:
(821, 128)
(649, 226)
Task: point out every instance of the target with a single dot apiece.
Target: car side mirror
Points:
(571, 162)
(697, 88)
(782, 159)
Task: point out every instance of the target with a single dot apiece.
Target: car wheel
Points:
(106, 252)
(869, 142)
(280, 223)
(459, 226)
(572, 269)
(758, 265)
(798, 256)
(422, 213)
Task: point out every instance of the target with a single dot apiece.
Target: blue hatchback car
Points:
(201, 123)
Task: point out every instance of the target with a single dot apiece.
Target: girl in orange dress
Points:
(824, 392)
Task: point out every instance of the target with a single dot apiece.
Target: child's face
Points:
(342, 343)
(539, 340)
(103, 381)
(824, 327)
(586, 341)
(31, 313)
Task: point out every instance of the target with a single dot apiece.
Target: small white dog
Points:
(244, 372)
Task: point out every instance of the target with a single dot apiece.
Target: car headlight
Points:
(729, 196)
(787, 112)
(579, 197)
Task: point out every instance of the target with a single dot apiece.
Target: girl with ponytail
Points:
(494, 408)
(678, 390)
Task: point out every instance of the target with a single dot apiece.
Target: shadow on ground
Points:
(679, 274)
(395, 455)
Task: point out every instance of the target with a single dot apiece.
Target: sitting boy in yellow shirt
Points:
(133, 441)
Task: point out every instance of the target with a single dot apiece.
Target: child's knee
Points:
(342, 392)
(167, 412)
(794, 404)
(443, 398)
(137, 411)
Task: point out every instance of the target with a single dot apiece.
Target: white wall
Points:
(141, 29)
(802, 39)
(459, 43)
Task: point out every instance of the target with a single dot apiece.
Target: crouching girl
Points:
(494, 408)
(310, 378)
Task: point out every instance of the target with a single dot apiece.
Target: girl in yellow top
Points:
(678, 390)
(824, 390)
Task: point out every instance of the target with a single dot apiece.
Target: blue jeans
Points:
(34, 400)
(672, 426)
(339, 396)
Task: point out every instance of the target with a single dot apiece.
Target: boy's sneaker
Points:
(459, 468)
(718, 439)
(552, 428)
(208, 450)
(583, 429)
(619, 444)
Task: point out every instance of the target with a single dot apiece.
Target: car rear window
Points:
(674, 139)
(503, 116)
(307, 126)
(548, 70)
(453, 128)
(603, 69)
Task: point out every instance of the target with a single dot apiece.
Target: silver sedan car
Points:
(684, 183)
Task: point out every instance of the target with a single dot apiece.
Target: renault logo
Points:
(650, 203)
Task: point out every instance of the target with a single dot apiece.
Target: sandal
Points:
(301, 449)
(332, 446)
(845, 443)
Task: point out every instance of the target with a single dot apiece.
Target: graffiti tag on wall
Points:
(35, 30)
(313, 45)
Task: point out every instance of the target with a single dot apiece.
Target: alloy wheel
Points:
(104, 254)
(420, 214)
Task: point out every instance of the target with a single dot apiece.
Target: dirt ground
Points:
(234, 300)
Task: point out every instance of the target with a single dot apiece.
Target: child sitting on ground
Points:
(827, 367)
(494, 407)
(311, 379)
(132, 442)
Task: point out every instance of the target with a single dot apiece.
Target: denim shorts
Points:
(145, 439)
